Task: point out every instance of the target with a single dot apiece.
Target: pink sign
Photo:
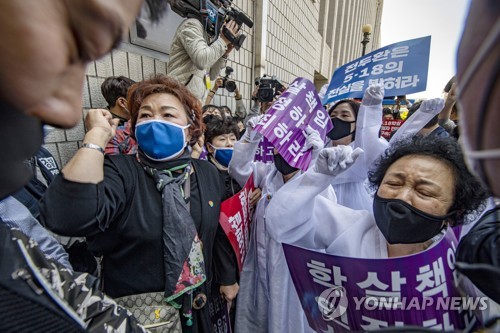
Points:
(235, 220)
(285, 122)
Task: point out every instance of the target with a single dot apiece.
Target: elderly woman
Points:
(153, 217)
(422, 186)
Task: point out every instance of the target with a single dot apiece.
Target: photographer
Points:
(266, 90)
(192, 57)
(230, 86)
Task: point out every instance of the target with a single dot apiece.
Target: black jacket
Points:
(122, 220)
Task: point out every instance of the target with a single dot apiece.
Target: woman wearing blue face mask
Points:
(220, 136)
(153, 217)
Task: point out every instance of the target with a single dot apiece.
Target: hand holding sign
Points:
(313, 140)
(250, 134)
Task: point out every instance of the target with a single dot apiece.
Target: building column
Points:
(260, 34)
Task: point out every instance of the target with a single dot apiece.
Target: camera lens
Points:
(230, 86)
(265, 94)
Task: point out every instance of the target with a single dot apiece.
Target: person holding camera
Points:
(230, 86)
(193, 60)
(267, 89)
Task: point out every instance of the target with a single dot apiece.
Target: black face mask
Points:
(283, 167)
(341, 129)
(401, 223)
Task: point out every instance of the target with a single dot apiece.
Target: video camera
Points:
(240, 18)
(269, 87)
(213, 16)
(230, 85)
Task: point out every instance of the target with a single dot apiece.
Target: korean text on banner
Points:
(264, 151)
(343, 293)
(402, 68)
(235, 220)
(285, 122)
(389, 126)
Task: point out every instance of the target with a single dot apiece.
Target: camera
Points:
(240, 18)
(230, 85)
(213, 15)
(269, 87)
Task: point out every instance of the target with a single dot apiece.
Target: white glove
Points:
(313, 140)
(432, 106)
(373, 95)
(252, 122)
(335, 160)
(251, 135)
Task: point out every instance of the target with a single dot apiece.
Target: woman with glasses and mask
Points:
(357, 125)
(154, 217)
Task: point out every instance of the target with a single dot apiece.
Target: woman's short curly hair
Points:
(162, 84)
(217, 126)
(469, 193)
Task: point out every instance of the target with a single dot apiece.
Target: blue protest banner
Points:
(402, 68)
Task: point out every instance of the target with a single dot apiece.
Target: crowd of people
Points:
(126, 237)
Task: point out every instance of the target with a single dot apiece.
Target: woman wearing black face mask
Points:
(422, 187)
(357, 125)
(343, 115)
(258, 289)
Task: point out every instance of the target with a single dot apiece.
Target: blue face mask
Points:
(160, 140)
(222, 155)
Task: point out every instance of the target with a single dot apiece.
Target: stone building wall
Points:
(290, 38)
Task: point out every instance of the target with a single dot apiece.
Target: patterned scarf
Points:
(182, 248)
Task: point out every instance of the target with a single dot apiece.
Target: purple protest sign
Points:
(264, 151)
(351, 294)
(285, 122)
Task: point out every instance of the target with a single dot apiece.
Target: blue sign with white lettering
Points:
(402, 68)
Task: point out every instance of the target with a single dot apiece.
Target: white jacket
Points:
(267, 301)
(351, 186)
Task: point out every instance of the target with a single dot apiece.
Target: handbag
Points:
(153, 312)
